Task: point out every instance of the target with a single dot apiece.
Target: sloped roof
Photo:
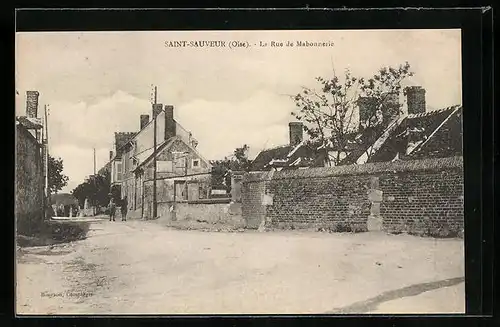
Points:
(30, 123)
(446, 141)
(360, 141)
(166, 144)
(121, 139)
(180, 132)
(284, 156)
(432, 134)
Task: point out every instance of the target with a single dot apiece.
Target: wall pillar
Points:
(374, 222)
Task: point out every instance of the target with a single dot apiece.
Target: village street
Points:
(139, 267)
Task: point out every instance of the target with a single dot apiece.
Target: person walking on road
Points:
(112, 209)
(123, 208)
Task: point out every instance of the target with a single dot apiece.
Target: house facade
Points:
(177, 162)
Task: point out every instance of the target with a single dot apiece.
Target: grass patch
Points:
(204, 225)
(428, 228)
(55, 232)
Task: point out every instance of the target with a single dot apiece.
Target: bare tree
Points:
(329, 113)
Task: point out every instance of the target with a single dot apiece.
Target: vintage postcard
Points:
(239, 172)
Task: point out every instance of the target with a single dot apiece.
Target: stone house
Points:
(182, 172)
(296, 154)
(417, 134)
(30, 172)
(414, 134)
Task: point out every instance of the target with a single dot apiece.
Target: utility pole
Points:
(154, 155)
(185, 174)
(94, 211)
(46, 159)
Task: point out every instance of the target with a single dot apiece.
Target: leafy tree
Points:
(96, 189)
(56, 179)
(237, 162)
(328, 113)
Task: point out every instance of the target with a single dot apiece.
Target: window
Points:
(118, 171)
(164, 166)
(180, 162)
(196, 163)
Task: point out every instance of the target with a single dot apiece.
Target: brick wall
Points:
(416, 195)
(29, 182)
(419, 200)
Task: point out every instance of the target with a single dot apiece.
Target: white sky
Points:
(96, 83)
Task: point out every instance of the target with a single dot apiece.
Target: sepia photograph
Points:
(239, 172)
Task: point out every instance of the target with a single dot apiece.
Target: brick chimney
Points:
(391, 107)
(296, 132)
(366, 107)
(157, 108)
(32, 104)
(144, 120)
(415, 98)
(170, 126)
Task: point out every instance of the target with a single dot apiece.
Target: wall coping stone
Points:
(208, 201)
(363, 169)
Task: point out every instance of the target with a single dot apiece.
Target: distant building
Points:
(296, 154)
(177, 160)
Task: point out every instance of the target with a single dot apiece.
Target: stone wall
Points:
(255, 186)
(29, 182)
(210, 211)
(398, 196)
(169, 189)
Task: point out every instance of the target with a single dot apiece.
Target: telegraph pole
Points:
(154, 155)
(46, 152)
(95, 187)
(46, 159)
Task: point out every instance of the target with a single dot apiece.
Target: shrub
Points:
(443, 230)
(66, 231)
(342, 227)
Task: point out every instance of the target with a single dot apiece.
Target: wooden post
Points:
(154, 157)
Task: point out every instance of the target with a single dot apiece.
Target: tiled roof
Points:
(360, 142)
(285, 156)
(122, 138)
(421, 136)
(446, 140)
(265, 156)
(30, 123)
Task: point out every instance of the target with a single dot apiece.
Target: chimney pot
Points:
(144, 120)
(415, 98)
(110, 155)
(296, 132)
(32, 104)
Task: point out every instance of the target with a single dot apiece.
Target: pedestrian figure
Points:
(112, 209)
(124, 208)
(60, 211)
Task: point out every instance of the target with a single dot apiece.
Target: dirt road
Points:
(138, 267)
